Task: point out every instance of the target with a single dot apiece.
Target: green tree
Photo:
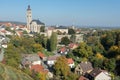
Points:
(61, 67)
(37, 47)
(110, 64)
(107, 40)
(72, 76)
(83, 50)
(65, 40)
(98, 48)
(42, 29)
(73, 38)
(12, 56)
(71, 31)
(53, 41)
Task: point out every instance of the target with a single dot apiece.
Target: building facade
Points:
(33, 26)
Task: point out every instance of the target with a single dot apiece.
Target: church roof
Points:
(28, 7)
(38, 22)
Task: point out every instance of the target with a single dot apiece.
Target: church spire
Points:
(28, 7)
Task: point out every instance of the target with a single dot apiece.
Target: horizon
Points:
(72, 12)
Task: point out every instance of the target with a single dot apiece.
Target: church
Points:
(33, 26)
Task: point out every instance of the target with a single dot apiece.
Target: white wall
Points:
(102, 76)
(36, 62)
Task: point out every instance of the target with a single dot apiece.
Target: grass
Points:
(9, 73)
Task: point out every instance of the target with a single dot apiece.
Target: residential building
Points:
(70, 63)
(79, 38)
(83, 78)
(42, 56)
(83, 67)
(73, 46)
(63, 51)
(98, 74)
(52, 59)
(30, 59)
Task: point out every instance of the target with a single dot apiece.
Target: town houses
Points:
(70, 43)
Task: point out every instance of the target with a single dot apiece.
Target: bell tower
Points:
(29, 17)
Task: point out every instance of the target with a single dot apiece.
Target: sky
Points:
(64, 12)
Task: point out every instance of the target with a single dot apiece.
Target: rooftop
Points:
(38, 22)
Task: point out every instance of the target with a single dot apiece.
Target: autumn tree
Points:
(37, 47)
(53, 41)
(83, 50)
(61, 67)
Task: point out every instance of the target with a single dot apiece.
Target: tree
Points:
(73, 38)
(99, 56)
(65, 40)
(42, 29)
(110, 64)
(61, 67)
(37, 47)
(113, 52)
(107, 40)
(83, 50)
(12, 56)
(72, 76)
(98, 48)
(71, 31)
(53, 41)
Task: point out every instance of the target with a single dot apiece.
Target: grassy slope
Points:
(9, 73)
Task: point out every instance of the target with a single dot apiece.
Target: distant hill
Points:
(14, 22)
(9, 73)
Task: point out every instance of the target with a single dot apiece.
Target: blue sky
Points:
(64, 12)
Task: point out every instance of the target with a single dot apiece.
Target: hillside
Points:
(9, 73)
(14, 22)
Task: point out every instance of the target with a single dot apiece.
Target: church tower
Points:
(29, 18)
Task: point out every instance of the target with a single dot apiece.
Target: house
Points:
(42, 56)
(98, 74)
(30, 59)
(83, 78)
(38, 68)
(4, 45)
(73, 45)
(71, 63)
(52, 59)
(19, 33)
(83, 67)
(63, 50)
(79, 38)
(41, 69)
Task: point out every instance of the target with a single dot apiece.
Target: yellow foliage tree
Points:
(37, 47)
(61, 67)
(99, 56)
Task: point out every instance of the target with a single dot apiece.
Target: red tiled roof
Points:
(63, 49)
(38, 68)
(41, 55)
(53, 57)
(70, 61)
(71, 45)
(3, 31)
(20, 33)
(83, 78)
